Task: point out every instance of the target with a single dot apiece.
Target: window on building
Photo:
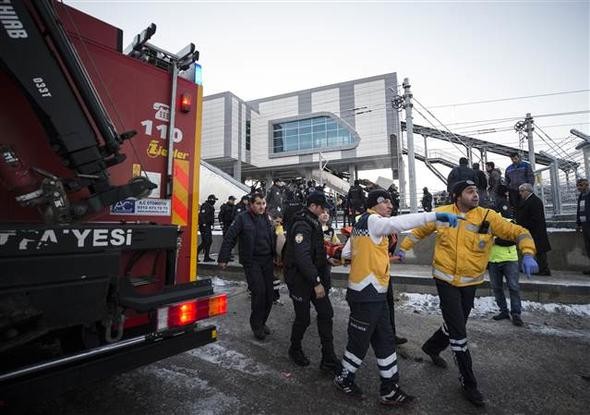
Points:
(248, 135)
(309, 134)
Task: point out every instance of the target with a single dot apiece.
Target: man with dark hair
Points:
(256, 250)
(226, 215)
(206, 220)
(355, 201)
(481, 182)
(494, 179)
(531, 215)
(458, 266)
(460, 173)
(517, 173)
(368, 282)
(307, 274)
(583, 214)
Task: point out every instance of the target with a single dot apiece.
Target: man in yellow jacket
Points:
(460, 259)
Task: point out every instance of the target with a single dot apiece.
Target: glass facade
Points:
(309, 134)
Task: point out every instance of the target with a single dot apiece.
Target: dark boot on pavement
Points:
(400, 340)
(298, 357)
(502, 316)
(436, 359)
(396, 397)
(474, 396)
(259, 333)
(516, 320)
(345, 383)
(208, 259)
(330, 363)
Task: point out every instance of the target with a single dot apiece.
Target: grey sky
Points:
(452, 52)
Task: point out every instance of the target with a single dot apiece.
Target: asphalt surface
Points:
(540, 368)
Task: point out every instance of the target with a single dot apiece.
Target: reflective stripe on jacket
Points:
(461, 254)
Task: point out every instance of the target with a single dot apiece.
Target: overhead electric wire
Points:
(557, 114)
(487, 101)
(441, 123)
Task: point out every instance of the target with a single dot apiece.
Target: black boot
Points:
(436, 359)
(474, 396)
(298, 357)
(502, 316)
(400, 340)
(330, 363)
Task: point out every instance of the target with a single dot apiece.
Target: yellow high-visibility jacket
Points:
(461, 254)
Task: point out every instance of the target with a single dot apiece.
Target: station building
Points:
(352, 124)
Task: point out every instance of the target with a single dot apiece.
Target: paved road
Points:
(530, 370)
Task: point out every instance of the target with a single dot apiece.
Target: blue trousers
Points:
(509, 270)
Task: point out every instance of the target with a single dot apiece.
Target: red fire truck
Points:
(99, 178)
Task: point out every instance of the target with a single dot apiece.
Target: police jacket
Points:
(461, 254)
(368, 250)
(206, 214)
(239, 208)
(305, 256)
(226, 213)
(252, 231)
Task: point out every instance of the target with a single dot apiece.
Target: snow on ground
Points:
(487, 305)
(217, 354)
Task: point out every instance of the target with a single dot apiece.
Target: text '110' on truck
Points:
(99, 178)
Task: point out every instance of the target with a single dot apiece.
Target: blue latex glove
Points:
(451, 218)
(529, 265)
(402, 255)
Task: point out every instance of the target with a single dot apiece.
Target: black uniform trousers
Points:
(206, 239)
(259, 275)
(455, 304)
(303, 295)
(369, 324)
(586, 236)
(543, 263)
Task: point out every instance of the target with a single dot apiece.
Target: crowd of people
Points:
(291, 234)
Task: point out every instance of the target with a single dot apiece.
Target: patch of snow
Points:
(218, 282)
(487, 305)
(217, 354)
(561, 229)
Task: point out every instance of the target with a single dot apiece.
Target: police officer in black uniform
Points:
(307, 274)
(227, 212)
(206, 220)
(242, 206)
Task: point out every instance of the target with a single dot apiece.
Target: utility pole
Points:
(410, 134)
(585, 147)
(528, 121)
